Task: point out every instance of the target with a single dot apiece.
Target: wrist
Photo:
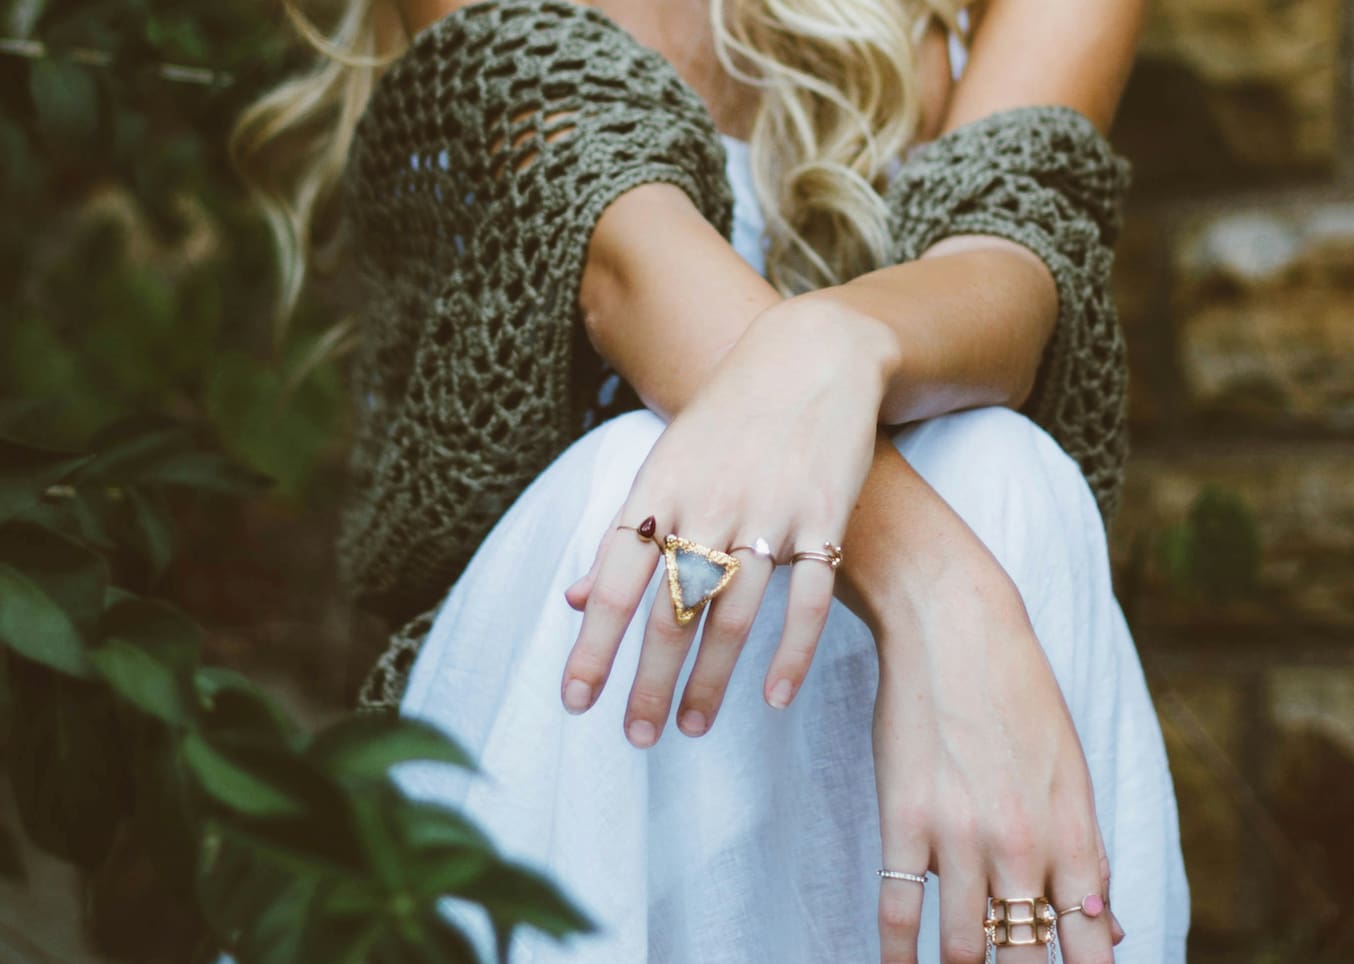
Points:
(867, 348)
(910, 558)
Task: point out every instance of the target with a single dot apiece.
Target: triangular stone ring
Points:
(696, 574)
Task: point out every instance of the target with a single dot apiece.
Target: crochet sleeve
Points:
(479, 170)
(1045, 178)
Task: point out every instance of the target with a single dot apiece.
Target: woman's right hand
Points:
(775, 446)
(980, 773)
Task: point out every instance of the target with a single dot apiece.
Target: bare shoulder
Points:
(1027, 52)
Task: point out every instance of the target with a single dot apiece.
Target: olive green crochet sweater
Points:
(481, 165)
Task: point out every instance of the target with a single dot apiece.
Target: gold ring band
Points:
(830, 554)
(759, 547)
(1020, 922)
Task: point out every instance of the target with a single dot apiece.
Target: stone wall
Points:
(1235, 279)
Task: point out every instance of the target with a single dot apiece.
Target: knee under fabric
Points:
(483, 161)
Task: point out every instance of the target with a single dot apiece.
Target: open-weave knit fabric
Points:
(480, 168)
(1043, 177)
(483, 161)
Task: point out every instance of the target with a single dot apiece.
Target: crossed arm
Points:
(940, 341)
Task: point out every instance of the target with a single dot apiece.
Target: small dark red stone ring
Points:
(645, 530)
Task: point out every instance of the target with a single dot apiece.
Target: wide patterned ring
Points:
(1019, 921)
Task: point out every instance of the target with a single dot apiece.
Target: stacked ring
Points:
(830, 554)
(902, 875)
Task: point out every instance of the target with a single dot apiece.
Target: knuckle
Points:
(606, 601)
(703, 694)
(731, 623)
(1017, 842)
(668, 634)
(960, 828)
(649, 703)
(963, 947)
(898, 916)
(814, 610)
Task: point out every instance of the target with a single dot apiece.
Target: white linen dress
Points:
(759, 842)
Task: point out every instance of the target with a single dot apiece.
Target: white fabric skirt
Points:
(759, 841)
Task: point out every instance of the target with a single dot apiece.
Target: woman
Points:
(828, 412)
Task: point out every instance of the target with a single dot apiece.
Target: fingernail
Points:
(692, 722)
(641, 733)
(1116, 929)
(781, 693)
(577, 696)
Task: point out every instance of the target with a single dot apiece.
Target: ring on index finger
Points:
(760, 547)
(645, 530)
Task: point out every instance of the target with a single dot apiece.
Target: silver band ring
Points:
(902, 875)
(759, 547)
(831, 554)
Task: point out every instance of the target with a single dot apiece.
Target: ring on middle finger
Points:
(759, 547)
(696, 574)
(1020, 921)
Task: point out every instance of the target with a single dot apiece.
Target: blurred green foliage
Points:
(295, 848)
(133, 275)
(136, 329)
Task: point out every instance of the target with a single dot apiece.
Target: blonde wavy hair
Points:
(839, 99)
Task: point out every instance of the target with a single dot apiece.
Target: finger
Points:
(963, 906)
(1116, 929)
(1081, 880)
(726, 630)
(577, 594)
(805, 616)
(1021, 882)
(666, 643)
(905, 848)
(624, 571)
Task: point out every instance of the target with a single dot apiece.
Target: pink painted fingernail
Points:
(693, 723)
(642, 734)
(781, 693)
(577, 696)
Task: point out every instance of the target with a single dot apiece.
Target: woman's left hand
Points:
(775, 447)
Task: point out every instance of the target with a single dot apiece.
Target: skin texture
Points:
(810, 379)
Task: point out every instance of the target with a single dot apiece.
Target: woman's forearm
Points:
(971, 318)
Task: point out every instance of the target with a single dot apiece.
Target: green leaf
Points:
(26, 472)
(367, 746)
(148, 656)
(516, 895)
(33, 625)
(139, 677)
(236, 707)
(65, 98)
(233, 779)
(69, 574)
(154, 530)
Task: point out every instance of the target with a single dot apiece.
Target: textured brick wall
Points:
(1235, 279)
